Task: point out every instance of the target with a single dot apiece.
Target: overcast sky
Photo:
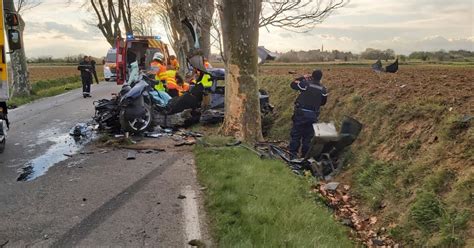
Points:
(57, 29)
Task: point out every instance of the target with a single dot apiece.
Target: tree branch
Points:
(295, 15)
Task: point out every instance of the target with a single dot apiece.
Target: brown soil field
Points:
(452, 85)
(45, 72)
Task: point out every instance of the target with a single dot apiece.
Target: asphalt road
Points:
(78, 194)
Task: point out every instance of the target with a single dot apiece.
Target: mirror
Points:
(14, 39)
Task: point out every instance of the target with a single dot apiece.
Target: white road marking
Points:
(192, 228)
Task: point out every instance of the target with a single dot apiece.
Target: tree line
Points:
(373, 54)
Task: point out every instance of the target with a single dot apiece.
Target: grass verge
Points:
(47, 88)
(260, 203)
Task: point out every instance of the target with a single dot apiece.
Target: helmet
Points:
(158, 56)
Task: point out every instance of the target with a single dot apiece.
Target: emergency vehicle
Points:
(144, 47)
(14, 43)
(110, 60)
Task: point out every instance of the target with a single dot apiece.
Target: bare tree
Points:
(294, 15)
(240, 38)
(297, 15)
(143, 17)
(25, 5)
(112, 17)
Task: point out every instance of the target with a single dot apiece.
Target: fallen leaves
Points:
(346, 211)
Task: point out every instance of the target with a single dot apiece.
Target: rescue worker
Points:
(171, 85)
(173, 63)
(86, 76)
(159, 69)
(183, 86)
(204, 79)
(312, 96)
(94, 72)
(207, 64)
(175, 85)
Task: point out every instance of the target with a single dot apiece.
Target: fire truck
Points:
(143, 47)
(14, 43)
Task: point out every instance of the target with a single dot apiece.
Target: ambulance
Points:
(110, 65)
(143, 47)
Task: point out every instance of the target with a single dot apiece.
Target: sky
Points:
(57, 29)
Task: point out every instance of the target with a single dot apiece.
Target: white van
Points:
(110, 70)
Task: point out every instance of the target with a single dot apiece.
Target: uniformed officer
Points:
(312, 96)
(86, 75)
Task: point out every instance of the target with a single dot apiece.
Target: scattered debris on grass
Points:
(346, 211)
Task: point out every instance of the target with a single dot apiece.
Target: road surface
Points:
(78, 194)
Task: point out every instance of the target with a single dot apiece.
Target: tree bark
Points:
(21, 84)
(205, 24)
(240, 35)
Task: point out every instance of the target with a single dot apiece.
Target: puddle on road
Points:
(64, 146)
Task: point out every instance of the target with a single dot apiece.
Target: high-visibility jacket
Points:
(160, 75)
(170, 76)
(206, 81)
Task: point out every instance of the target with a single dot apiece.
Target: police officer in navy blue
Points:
(312, 96)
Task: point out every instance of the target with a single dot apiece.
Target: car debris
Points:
(81, 130)
(131, 155)
(378, 67)
(332, 186)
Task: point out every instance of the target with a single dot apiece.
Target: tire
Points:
(2, 145)
(107, 79)
(132, 125)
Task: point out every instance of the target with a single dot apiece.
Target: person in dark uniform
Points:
(94, 72)
(86, 75)
(312, 96)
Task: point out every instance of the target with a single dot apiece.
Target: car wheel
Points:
(137, 125)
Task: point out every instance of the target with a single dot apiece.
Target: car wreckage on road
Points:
(139, 107)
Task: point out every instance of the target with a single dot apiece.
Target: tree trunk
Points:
(205, 24)
(21, 84)
(240, 36)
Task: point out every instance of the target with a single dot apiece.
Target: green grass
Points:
(260, 203)
(47, 88)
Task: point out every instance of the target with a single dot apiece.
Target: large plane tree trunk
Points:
(240, 35)
(205, 24)
(21, 84)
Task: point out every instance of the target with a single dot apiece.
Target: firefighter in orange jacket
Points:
(159, 69)
(175, 85)
(173, 63)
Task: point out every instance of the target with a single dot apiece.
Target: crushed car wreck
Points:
(139, 107)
